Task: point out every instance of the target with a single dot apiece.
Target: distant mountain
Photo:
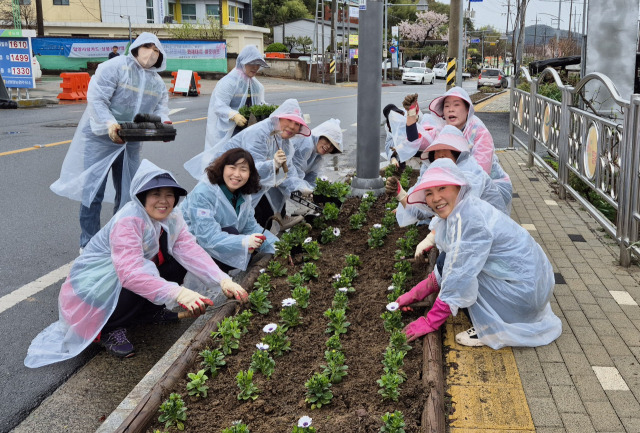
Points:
(543, 32)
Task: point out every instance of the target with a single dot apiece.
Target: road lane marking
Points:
(327, 99)
(176, 110)
(30, 289)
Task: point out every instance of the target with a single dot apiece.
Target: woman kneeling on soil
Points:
(493, 268)
(130, 273)
(219, 211)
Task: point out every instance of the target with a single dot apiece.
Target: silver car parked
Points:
(492, 77)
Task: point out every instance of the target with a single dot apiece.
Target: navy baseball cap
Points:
(164, 180)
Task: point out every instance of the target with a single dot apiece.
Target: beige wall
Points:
(77, 11)
(285, 68)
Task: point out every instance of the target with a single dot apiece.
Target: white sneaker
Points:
(469, 338)
(290, 221)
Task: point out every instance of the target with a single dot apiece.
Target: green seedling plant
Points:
(289, 314)
(365, 206)
(406, 177)
(349, 272)
(357, 220)
(259, 301)
(389, 220)
(333, 342)
(311, 249)
(389, 386)
(276, 269)
(248, 390)
(394, 293)
(197, 384)
(263, 282)
(304, 426)
(392, 317)
(389, 170)
(301, 295)
(393, 361)
(398, 341)
(329, 234)
(377, 233)
(244, 319)
(237, 427)
(403, 266)
(338, 321)
(330, 212)
(173, 411)
(342, 281)
(335, 369)
(412, 236)
(340, 299)
(392, 204)
(298, 234)
(213, 360)
(261, 360)
(277, 339)
(393, 422)
(296, 280)
(398, 279)
(310, 271)
(283, 247)
(353, 260)
(229, 332)
(318, 391)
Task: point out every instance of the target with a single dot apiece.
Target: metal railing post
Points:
(563, 140)
(512, 115)
(531, 144)
(626, 227)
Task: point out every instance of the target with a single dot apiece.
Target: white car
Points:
(418, 75)
(440, 69)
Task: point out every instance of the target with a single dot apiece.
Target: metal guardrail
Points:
(602, 152)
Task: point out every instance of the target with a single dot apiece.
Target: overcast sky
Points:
(494, 13)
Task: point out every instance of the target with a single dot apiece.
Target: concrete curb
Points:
(35, 103)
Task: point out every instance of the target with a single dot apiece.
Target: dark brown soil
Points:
(357, 406)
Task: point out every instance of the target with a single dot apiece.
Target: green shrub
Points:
(276, 47)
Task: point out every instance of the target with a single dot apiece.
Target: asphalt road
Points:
(40, 230)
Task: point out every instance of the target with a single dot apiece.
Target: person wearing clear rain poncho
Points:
(269, 142)
(131, 272)
(121, 88)
(450, 143)
(415, 132)
(219, 211)
(238, 88)
(310, 156)
(493, 268)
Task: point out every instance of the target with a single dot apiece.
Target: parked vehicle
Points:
(418, 75)
(413, 64)
(440, 69)
(492, 77)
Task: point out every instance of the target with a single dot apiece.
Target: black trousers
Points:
(263, 212)
(133, 309)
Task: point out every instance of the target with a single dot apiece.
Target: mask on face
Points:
(147, 57)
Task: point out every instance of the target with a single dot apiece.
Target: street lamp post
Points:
(129, 20)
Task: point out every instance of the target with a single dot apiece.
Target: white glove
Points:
(192, 301)
(426, 244)
(255, 241)
(234, 290)
(394, 161)
(279, 158)
(113, 133)
(239, 119)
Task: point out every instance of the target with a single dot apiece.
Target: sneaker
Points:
(469, 338)
(290, 221)
(118, 344)
(164, 316)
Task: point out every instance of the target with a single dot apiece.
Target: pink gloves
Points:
(420, 291)
(435, 318)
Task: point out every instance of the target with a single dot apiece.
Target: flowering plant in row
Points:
(329, 234)
(377, 233)
(311, 249)
(393, 422)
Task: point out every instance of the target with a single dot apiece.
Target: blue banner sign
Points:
(15, 62)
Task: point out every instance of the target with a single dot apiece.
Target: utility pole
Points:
(334, 39)
(454, 73)
(558, 30)
(506, 33)
(535, 38)
(39, 18)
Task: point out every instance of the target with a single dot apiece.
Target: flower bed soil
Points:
(356, 406)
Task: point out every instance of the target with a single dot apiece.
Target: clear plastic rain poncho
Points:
(308, 162)
(262, 140)
(120, 254)
(119, 90)
(494, 268)
(207, 211)
(481, 185)
(229, 95)
(430, 125)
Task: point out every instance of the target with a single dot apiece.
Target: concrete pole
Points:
(334, 38)
(455, 24)
(384, 41)
(369, 101)
(39, 18)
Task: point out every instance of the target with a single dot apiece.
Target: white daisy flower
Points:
(365, 195)
(289, 302)
(263, 270)
(308, 240)
(336, 231)
(304, 422)
(391, 288)
(269, 328)
(337, 276)
(324, 178)
(262, 346)
(392, 306)
(343, 289)
(377, 226)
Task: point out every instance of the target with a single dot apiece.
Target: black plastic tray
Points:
(164, 134)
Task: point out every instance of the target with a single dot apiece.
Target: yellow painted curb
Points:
(480, 106)
(485, 387)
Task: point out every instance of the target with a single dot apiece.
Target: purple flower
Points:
(289, 302)
(393, 306)
(269, 328)
(365, 195)
(304, 422)
(308, 240)
(262, 346)
(336, 231)
(324, 178)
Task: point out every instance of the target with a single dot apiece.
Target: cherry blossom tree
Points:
(428, 26)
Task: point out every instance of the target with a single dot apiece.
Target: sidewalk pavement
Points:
(588, 380)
